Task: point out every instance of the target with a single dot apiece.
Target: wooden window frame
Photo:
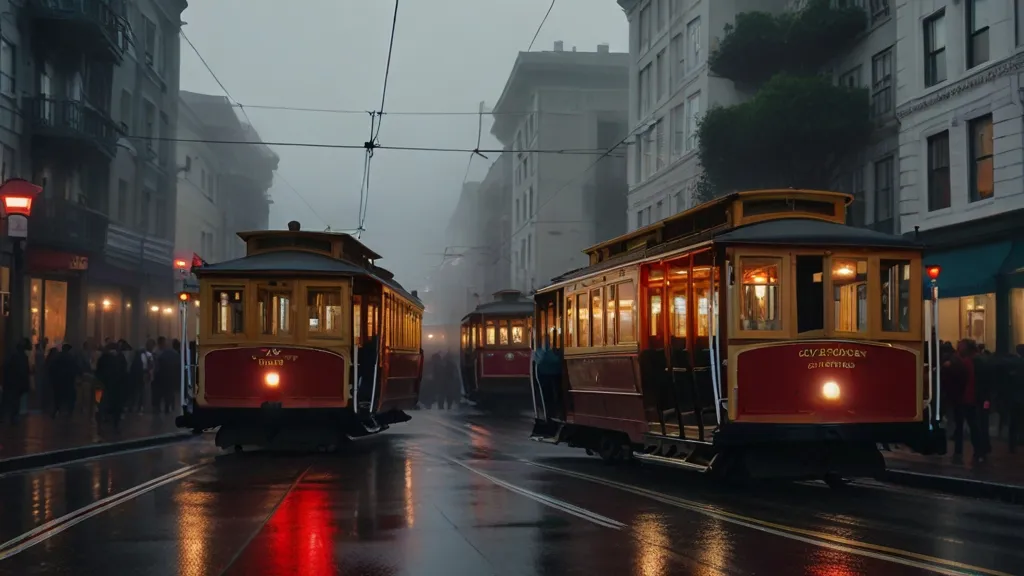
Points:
(600, 283)
(341, 285)
(787, 313)
(295, 332)
(207, 293)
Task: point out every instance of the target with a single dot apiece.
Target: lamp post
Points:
(17, 196)
(936, 351)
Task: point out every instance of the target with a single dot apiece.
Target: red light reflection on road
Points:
(298, 539)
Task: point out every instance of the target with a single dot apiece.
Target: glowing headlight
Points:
(272, 379)
(830, 390)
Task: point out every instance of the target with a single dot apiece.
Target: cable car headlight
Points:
(830, 390)
(272, 379)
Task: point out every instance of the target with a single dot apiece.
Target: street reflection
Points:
(652, 545)
(194, 529)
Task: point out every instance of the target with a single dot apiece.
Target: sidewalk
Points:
(1001, 476)
(39, 440)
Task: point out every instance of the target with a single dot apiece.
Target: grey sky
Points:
(448, 56)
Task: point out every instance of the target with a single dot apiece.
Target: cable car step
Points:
(668, 461)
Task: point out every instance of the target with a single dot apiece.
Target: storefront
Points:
(981, 293)
(55, 284)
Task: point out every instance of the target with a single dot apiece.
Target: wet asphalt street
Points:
(454, 493)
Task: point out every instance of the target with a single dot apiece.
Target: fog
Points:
(330, 54)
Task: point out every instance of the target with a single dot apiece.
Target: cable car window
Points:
(702, 299)
(357, 319)
(597, 316)
(626, 295)
(583, 320)
(503, 332)
(229, 312)
(518, 329)
(760, 305)
(810, 293)
(679, 278)
(895, 280)
(850, 294)
(275, 312)
(324, 309)
(570, 323)
(492, 333)
(610, 327)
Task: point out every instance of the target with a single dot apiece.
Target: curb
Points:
(29, 461)
(1010, 493)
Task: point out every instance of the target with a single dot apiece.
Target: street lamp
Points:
(935, 350)
(17, 196)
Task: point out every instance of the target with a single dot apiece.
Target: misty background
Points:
(331, 54)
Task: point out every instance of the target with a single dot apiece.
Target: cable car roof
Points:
(808, 231)
(300, 262)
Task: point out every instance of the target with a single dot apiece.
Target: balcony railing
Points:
(56, 118)
(92, 23)
(65, 225)
(132, 250)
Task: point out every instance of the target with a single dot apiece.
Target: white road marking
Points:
(58, 525)
(548, 501)
(815, 538)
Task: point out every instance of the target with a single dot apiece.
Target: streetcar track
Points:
(582, 513)
(56, 526)
(813, 537)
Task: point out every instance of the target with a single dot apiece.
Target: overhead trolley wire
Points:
(545, 19)
(234, 102)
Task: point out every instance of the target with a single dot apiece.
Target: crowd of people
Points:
(975, 385)
(441, 382)
(109, 380)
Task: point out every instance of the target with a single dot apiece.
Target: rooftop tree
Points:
(798, 126)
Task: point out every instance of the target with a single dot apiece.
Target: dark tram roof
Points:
(802, 230)
(770, 232)
(506, 302)
(301, 262)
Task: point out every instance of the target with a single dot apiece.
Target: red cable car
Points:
(495, 344)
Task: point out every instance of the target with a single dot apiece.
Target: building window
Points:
(649, 151)
(1019, 9)
(662, 6)
(659, 210)
(879, 10)
(122, 201)
(516, 222)
(851, 79)
(126, 111)
(7, 68)
(881, 83)
(529, 202)
(938, 172)
(639, 218)
(693, 116)
(977, 32)
(678, 49)
(693, 42)
(645, 28)
(662, 159)
(7, 170)
(883, 189)
(645, 90)
(662, 69)
(982, 170)
(935, 49)
(855, 187)
(678, 130)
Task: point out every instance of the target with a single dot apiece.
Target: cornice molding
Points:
(990, 74)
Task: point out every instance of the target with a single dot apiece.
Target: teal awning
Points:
(1013, 267)
(971, 270)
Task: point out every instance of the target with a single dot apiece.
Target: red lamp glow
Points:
(17, 195)
(933, 272)
(180, 264)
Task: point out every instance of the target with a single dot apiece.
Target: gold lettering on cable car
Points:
(832, 357)
(273, 357)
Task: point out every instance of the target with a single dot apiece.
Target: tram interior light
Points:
(168, 310)
(272, 379)
(933, 272)
(154, 308)
(830, 390)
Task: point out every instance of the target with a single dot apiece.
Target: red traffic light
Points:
(180, 264)
(933, 272)
(184, 296)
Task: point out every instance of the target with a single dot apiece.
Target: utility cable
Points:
(399, 113)
(545, 19)
(233, 102)
(373, 142)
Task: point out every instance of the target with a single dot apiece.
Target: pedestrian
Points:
(168, 375)
(964, 391)
(136, 380)
(41, 387)
(435, 387)
(450, 385)
(17, 381)
(63, 376)
(112, 371)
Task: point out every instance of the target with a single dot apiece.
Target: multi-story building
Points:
(222, 190)
(670, 87)
(68, 127)
(872, 174)
(495, 217)
(959, 101)
(561, 203)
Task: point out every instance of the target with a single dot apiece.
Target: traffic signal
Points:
(184, 297)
